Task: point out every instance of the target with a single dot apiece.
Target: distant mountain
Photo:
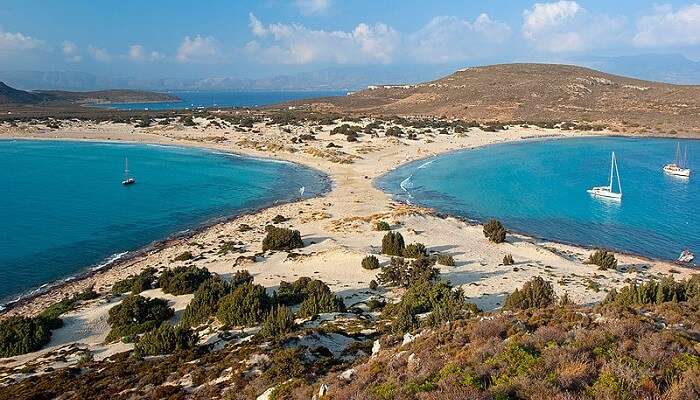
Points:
(670, 68)
(339, 78)
(12, 96)
(537, 93)
(9, 95)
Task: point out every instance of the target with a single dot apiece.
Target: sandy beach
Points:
(337, 228)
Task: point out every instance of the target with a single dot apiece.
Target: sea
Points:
(223, 99)
(64, 210)
(539, 188)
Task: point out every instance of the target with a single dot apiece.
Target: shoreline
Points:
(344, 183)
(158, 244)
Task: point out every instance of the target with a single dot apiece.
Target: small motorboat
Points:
(127, 180)
(686, 257)
(679, 166)
(607, 191)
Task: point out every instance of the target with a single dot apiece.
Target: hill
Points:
(538, 92)
(12, 96)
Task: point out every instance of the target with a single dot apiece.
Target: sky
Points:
(173, 38)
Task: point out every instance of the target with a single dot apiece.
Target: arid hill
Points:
(538, 93)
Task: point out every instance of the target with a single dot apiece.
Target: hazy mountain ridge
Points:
(10, 95)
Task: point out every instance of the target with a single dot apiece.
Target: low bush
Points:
(535, 293)
(603, 259)
(508, 259)
(135, 315)
(184, 256)
(382, 226)
(402, 273)
(656, 292)
(495, 231)
(373, 285)
(446, 260)
(278, 322)
(281, 239)
(370, 262)
(393, 244)
(205, 302)
(165, 339)
(20, 335)
(439, 299)
(242, 277)
(136, 283)
(278, 219)
(320, 299)
(415, 250)
(182, 280)
(245, 306)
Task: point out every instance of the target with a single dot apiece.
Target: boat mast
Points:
(619, 185)
(126, 168)
(685, 158)
(612, 163)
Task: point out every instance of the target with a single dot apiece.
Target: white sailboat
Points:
(127, 180)
(679, 166)
(607, 191)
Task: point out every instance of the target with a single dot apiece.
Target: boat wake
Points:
(425, 164)
(406, 184)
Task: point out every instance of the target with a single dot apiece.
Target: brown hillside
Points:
(540, 92)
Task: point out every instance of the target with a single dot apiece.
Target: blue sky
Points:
(262, 38)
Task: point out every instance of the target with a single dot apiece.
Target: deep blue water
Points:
(539, 188)
(63, 207)
(224, 99)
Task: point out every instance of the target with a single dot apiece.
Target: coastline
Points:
(336, 226)
(125, 257)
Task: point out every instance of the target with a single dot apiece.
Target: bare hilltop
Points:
(537, 93)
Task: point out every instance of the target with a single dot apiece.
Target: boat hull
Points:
(680, 172)
(605, 193)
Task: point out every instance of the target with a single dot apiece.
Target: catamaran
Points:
(127, 180)
(679, 166)
(607, 191)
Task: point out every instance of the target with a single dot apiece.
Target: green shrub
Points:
(87, 294)
(184, 256)
(183, 280)
(603, 259)
(319, 299)
(205, 302)
(508, 259)
(20, 335)
(446, 260)
(50, 316)
(439, 299)
(495, 231)
(373, 285)
(165, 339)
(393, 244)
(656, 292)
(281, 239)
(415, 250)
(245, 306)
(136, 283)
(293, 293)
(382, 226)
(278, 219)
(278, 322)
(535, 293)
(370, 262)
(135, 315)
(402, 273)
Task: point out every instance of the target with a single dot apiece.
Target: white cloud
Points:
(296, 44)
(139, 54)
(313, 7)
(17, 41)
(565, 26)
(70, 51)
(99, 54)
(447, 38)
(666, 27)
(198, 49)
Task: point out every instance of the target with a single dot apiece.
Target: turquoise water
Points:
(225, 99)
(64, 209)
(539, 187)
